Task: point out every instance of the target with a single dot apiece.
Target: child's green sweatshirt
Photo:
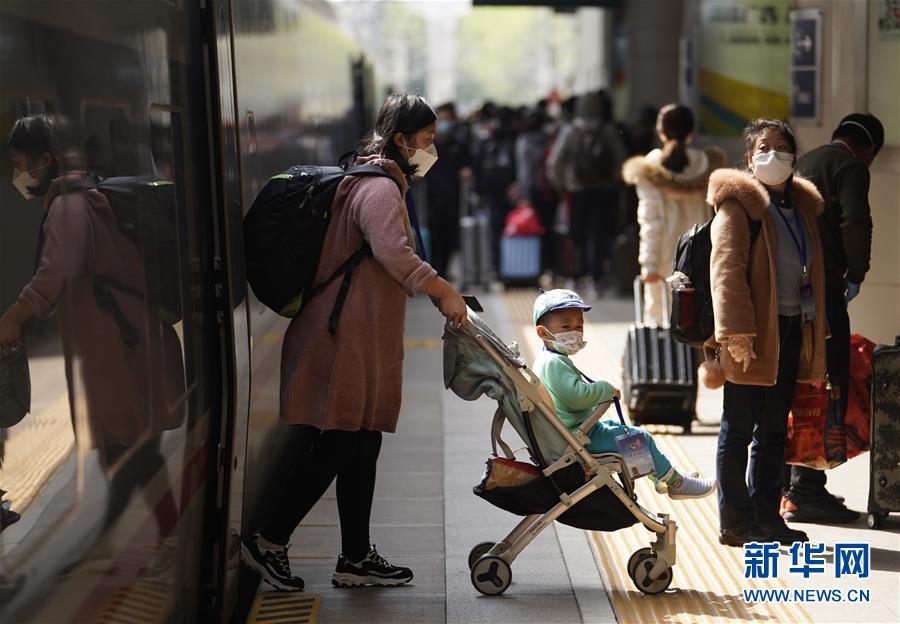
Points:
(573, 396)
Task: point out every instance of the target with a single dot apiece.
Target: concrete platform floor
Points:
(425, 515)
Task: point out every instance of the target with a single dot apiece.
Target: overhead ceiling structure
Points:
(556, 4)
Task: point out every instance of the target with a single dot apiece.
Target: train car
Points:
(147, 445)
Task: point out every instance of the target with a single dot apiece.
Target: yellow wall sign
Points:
(744, 60)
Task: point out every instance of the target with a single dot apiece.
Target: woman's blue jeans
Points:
(755, 417)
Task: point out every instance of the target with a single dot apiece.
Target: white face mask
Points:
(22, 180)
(570, 342)
(773, 167)
(423, 159)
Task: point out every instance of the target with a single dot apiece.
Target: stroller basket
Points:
(600, 511)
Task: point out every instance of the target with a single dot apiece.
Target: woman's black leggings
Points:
(315, 458)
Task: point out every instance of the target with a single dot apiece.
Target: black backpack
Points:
(284, 232)
(593, 160)
(145, 207)
(691, 319)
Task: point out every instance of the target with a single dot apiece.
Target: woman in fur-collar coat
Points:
(671, 188)
(767, 281)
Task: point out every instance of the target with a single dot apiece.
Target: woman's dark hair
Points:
(753, 131)
(677, 123)
(403, 113)
(35, 136)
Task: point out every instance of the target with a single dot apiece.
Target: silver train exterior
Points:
(134, 509)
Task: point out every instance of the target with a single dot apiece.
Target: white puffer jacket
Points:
(669, 203)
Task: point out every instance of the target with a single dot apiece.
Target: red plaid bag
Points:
(816, 435)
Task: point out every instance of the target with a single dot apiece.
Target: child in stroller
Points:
(559, 322)
(564, 482)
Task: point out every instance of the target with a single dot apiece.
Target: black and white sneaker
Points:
(373, 570)
(272, 565)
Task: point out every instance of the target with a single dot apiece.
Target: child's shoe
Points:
(690, 487)
(660, 484)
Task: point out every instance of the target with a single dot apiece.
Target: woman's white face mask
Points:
(423, 159)
(773, 167)
(570, 342)
(23, 180)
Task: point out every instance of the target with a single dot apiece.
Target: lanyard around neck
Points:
(800, 242)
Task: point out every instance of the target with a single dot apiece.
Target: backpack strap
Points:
(346, 269)
(349, 265)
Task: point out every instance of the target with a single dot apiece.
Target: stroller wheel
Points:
(491, 575)
(477, 551)
(639, 566)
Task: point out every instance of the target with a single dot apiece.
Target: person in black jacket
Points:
(840, 170)
(443, 185)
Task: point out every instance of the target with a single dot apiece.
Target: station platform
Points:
(426, 517)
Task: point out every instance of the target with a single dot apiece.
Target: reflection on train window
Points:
(37, 460)
(167, 153)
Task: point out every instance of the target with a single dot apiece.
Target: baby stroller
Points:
(565, 483)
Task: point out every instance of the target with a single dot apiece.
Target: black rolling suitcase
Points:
(884, 457)
(659, 373)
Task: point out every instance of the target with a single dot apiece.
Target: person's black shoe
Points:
(272, 565)
(825, 511)
(740, 537)
(783, 533)
(8, 517)
(372, 570)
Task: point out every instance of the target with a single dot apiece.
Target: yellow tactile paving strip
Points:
(708, 577)
(35, 449)
(144, 602)
(277, 608)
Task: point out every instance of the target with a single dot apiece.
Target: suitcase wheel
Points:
(875, 520)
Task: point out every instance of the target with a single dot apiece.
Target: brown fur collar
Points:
(639, 168)
(742, 187)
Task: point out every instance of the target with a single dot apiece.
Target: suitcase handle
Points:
(639, 301)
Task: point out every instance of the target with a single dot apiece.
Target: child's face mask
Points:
(570, 342)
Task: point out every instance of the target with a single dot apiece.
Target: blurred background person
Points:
(443, 185)
(495, 170)
(532, 149)
(585, 161)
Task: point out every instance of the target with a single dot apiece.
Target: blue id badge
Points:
(807, 302)
(637, 455)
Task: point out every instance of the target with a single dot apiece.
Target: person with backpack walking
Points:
(671, 187)
(585, 161)
(341, 391)
(840, 170)
(767, 274)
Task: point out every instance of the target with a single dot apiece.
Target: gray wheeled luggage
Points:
(884, 477)
(659, 383)
(475, 240)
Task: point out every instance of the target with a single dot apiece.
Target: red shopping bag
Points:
(858, 418)
(523, 220)
(816, 436)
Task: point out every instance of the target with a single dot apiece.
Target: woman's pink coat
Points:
(354, 379)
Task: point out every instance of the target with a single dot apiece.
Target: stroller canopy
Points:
(470, 372)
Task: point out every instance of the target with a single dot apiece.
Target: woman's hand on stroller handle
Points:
(448, 301)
